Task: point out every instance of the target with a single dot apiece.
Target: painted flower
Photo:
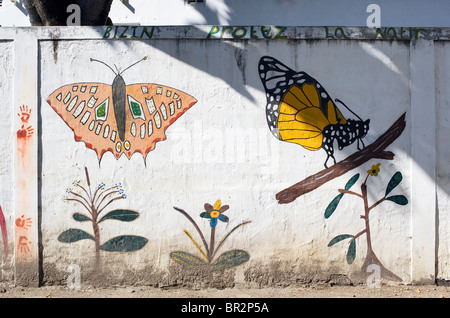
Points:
(375, 169)
(215, 213)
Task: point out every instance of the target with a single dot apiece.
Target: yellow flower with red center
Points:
(215, 213)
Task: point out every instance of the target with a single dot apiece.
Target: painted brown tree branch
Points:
(376, 150)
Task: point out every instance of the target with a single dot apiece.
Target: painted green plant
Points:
(226, 260)
(371, 257)
(95, 203)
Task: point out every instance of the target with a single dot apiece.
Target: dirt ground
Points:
(301, 291)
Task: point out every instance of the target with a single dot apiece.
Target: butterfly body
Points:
(299, 110)
(119, 118)
(118, 97)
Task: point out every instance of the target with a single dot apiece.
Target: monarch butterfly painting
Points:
(119, 118)
(300, 111)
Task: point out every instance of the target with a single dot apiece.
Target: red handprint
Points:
(24, 115)
(23, 222)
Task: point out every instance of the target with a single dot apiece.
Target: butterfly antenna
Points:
(94, 60)
(339, 101)
(143, 59)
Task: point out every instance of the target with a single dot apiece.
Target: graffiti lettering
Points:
(399, 33)
(338, 33)
(130, 32)
(247, 32)
(387, 33)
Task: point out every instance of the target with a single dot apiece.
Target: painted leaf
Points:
(124, 243)
(230, 259)
(351, 253)
(121, 215)
(333, 205)
(74, 235)
(80, 217)
(395, 180)
(339, 238)
(186, 259)
(399, 199)
(352, 181)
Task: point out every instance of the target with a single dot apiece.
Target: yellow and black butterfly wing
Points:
(298, 108)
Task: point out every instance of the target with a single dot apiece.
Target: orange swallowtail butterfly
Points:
(119, 118)
(299, 110)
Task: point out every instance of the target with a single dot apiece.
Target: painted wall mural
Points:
(300, 111)
(94, 202)
(119, 118)
(227, 259)
(371, 258)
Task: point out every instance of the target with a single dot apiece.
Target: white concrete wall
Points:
(442, 156)
(222, 148)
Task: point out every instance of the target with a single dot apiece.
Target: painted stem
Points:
(97, 244)
(95, 227)
(196, 227)
(371, 257)
(211, 244)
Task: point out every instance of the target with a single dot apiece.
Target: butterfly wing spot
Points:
(91, 125)
(136, 108)
(118, 147)
(101, 111)
(79, 109)
(163, 111)
(159, 90)
(127, 145)
(83, 89)
(142, 130)
(157, 120)
(67, 98)
(179, 104)
(98, 129)
(93, 89)
(150, 128)
(150, 105)
(172, 108)
(113, 136)
(168, 93)
(85, 117)
(106, 132)
(75, 88)
(144, 89)
(59, 97)
(92, 101)
(72, 104)
(133, 129)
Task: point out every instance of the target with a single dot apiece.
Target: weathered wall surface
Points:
(221, 168)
